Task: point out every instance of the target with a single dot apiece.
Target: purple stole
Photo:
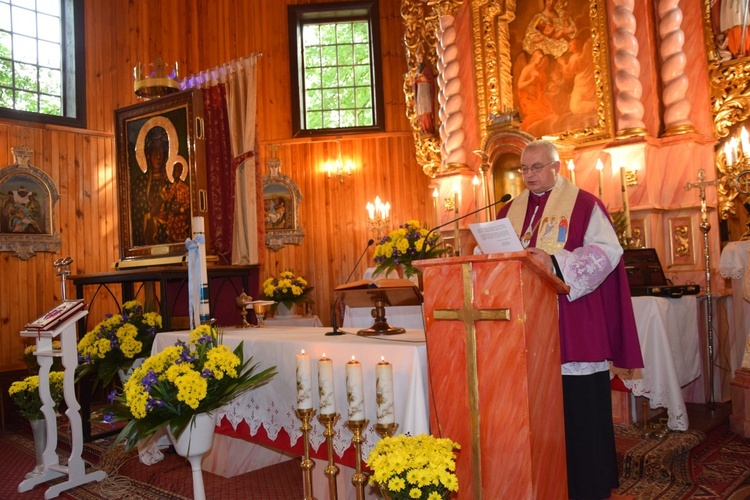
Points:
(600, 325)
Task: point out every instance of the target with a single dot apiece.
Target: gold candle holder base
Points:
(385, 430)
(307, 464)
(359, 479)
(331, 470)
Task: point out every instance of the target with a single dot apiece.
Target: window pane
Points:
(27, 101)
(331, 119)
(51, 105)
(328, 54)
(49, 81)
(364, 118)
(6, 98)
(345, 55)
(327, 34)
(344, 33)
(330, 99)
(49, 28)
(29, 4)
(311, 34)
(24, 21)
(348, 118)
(361, 54)
(329, 77)
(26, 76)
(5, 45)
(360, 32)
(347, 98)
(362, 75)
(315, 120)
(4, 16)
(363, 97)
(313, 79)
(49, 55)
(6, 73)
(313, 99)
(24, 49)
(312, 57)
(51, 7)
(346, 76)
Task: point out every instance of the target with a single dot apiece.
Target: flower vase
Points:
(39, 430)
(283, 311)
(125, 375)
(195, 441)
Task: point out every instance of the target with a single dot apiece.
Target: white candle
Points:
(355, 391)
(199, 230)
(384, 392)
(325, 386)
(600, 168)
(304, 381)
(625, 204)
(435, 196)
(572, 170)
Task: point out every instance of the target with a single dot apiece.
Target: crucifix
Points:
(705, 226)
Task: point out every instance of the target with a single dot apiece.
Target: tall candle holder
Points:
(386, 430)
(307, 464)
(331, 470)
(359, 479)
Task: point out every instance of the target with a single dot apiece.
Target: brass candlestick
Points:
(242, 301)
(359, 479)
(384, 430)
(331, 470)
(307, 464)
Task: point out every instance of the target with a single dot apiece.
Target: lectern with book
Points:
(494, 369)
(379, 294)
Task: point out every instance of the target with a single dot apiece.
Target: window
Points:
(335, 68)
(41, 72)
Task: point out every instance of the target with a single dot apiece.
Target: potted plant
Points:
(414, 467)
(287, 290)
(25, 394)
(403, 246)
(118, 343)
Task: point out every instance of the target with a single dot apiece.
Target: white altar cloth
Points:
(272, 406)
(734, 259)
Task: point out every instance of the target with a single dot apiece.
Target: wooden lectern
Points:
(494, 368)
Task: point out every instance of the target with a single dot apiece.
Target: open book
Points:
(377, 283)
(496, 236)
(56, 315)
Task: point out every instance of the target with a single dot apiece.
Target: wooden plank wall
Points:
(200, 35)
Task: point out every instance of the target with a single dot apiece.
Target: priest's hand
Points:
(542, 257)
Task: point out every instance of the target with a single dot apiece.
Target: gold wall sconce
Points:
(338, 167)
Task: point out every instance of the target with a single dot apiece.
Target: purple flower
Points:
(109, 418)
(153, 403)
(149, 380)
(111, 396)
(207, 373)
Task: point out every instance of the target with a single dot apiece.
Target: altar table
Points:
(267, 413)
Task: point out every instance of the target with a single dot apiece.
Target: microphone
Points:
(505, 198)
(335, 329)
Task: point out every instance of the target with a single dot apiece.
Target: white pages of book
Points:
(496, 236)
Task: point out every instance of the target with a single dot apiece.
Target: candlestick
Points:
(359, 478)
(625, 204)
(355, 392)
(331, 470)
(384, 392)
(572, 170)
(475, 185)
(456, 233)
(325, 386)
(304, 381)
(600, 168)
(307, 464)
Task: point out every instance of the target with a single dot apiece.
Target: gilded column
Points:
(627, 72)
(673, 60)
(452, 134)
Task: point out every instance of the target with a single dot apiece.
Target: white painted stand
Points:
(76, 468)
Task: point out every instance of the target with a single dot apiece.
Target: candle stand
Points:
(307, 463)
(386, 430)
(331, 470)
(359, 479)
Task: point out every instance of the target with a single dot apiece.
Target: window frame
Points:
(298, 17)
(73, 73)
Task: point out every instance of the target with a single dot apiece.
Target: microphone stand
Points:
(334, 326)
(505, 198)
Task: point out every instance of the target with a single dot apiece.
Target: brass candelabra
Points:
(359, 479)
(385, 430)
(331, 470)
(307, 464)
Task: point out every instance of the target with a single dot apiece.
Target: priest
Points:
(569, 231)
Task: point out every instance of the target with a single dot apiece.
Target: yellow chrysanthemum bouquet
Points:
(25, 394)
(179, 382)
(115, 343)
(288, 289)
(414, 467)
(403, 246)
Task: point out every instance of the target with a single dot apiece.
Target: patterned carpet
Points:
(683, 465)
